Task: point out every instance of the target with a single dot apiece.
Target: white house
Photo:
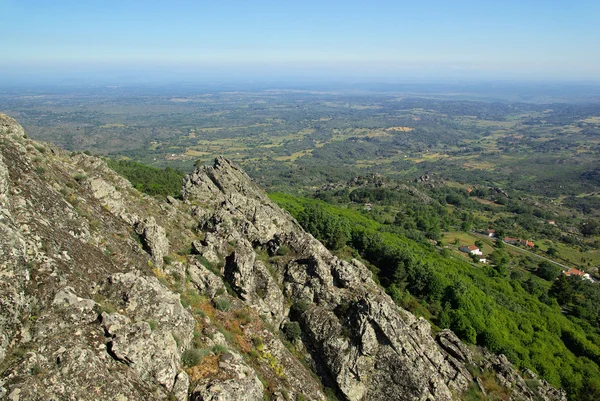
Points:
(576, 272)
(471, 249)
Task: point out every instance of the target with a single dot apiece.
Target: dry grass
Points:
(209, 367)
(399, 129)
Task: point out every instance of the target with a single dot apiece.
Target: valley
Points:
(402, 182)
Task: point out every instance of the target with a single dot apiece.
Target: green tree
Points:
(548, 271)
(561, 290)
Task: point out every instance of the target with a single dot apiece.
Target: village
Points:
(479, 251)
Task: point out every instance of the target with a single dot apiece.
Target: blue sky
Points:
(356, 39)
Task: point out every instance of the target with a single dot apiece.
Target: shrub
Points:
(258, 343)
(150, 180)
(283, 250)
(292, 331)
(330, 394)
(222, 304)
(219, 349)
(191, 357)
(300, 307)
(79, 177)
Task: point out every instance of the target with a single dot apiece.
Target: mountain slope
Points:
(106, 293)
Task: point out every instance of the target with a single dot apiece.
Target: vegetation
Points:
(150, 180)
(222, 303)
(192, 357)
(401, 182)
(292, 331)
(514, 314)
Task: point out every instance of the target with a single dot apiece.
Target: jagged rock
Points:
(154, 238)
(75, 311)
(508, 377)
(8, 126)
(113, 322)
(107, 194)
(453, 346)
(205, 281)
(145, 298)
(241, 383)
(181, 386)
(409, 363)
(211, 247)
(137, 345)
(251, 280)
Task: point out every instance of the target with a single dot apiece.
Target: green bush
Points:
(300, 307)
(222, 304)
(80, 177)
(192, 357)
(219, 349)
(283, 250)
(292, 331)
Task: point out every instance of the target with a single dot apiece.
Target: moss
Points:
(153, 324)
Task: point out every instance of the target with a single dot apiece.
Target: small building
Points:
(510, 240)
(491, 232)
(482, 260)
(524, 242)
(368, 206)
(471, 250)
(552, 222)
(576, 272)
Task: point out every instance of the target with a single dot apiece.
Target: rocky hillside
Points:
(109, 294)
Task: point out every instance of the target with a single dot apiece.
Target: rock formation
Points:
(108, 294)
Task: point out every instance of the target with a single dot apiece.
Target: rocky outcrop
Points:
(254, 284)
(86, 314)
(360, 341)
(239, 382)
(368, 346)
(107, 194)
(205, 281)
(154, 239)
(160, 329)
(81, 315)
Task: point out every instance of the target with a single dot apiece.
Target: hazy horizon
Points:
(351, 41)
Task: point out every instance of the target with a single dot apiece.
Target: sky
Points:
(255, 39)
